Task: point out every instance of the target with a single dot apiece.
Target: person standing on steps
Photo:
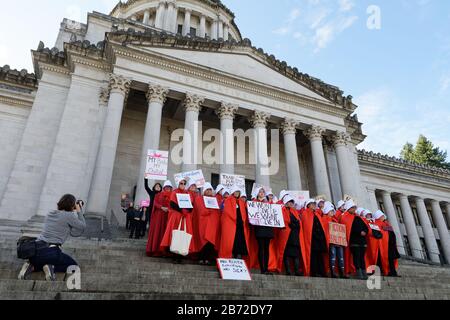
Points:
(67, 220)
(129, 215)
(152, 193)
(136, 223)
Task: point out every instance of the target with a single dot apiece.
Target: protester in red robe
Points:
(314, 241)
(176, 214)
(389, 245)
(158, 223)
(206, 223)
(340, 209)
(320, 204)
(235, 229)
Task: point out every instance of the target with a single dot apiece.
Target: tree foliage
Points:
(424, 152)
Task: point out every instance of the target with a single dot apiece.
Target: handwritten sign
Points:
(230, 180)
(157, 164)
(299, 196)
(145, 203)
(338, 234)
(265, 214)
(196, 175)
(184, 201)
(233, 269)
(211, 202)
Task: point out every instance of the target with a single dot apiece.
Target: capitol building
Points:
(109, 90)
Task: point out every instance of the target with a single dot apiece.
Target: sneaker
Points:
(26, 270)
(49, 273)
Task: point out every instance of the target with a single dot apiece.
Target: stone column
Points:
(373, 199)
(146, 17)
(442, 228)
(320, 168)
(214, 30)
(259, 123)
(168, 21)
(345, 173)
(392, 218)
(226, 31)
(192, 104)
(226, 114)
(160, 14)
(411, 228)
(174, 24)
(202, 26)
(187, 22)
(430, 240)
(156, 96)
(289, 128)
(220, 32)
(101, 181)
(447, 208)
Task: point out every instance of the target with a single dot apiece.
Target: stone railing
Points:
(18, 77)
(393, 162)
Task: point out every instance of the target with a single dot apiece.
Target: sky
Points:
(392, 56)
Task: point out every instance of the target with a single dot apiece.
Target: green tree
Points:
(424, 152)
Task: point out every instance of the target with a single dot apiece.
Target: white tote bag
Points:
(181, 240)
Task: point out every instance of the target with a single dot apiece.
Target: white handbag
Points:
(181, 240)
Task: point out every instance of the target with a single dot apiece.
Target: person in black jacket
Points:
(136, 223)
(358, 244)
(130, 213)
(157, 188)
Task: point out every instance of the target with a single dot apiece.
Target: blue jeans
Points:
(52, 256)
(337, 252)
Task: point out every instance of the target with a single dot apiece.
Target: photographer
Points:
(67, 221)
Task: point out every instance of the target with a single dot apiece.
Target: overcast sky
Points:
(399, 74)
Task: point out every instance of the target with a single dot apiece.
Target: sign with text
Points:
(265, 214)
(184, 201)
(233, 269)
(211, 203)
(157, 164)
(338, 234)
(230, 180)
(299, 196)
(145, 203)
(196, 175)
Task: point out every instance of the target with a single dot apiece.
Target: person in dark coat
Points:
(263, 236)
(129, 213)
(358, 242)
(136, 223)
(157, 188)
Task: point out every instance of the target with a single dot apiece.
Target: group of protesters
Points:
(301, 248)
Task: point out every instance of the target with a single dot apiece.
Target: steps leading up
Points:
(119, 269)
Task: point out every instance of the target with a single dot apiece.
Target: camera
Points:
(80, 203)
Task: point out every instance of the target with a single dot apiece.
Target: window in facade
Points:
(193, 32)
(398, 210)
(180, 29)
(381, 206)
(430, 216)
(416, 217)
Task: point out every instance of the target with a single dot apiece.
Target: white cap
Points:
(225, 190)
(308, 202)
(255, 194)
(360, 211)
(349, 204)
(219, 188)
(207, 186)
(328, 208)
(243, 193)
(192, 183)
(234, 189)
(283, 193)
(377, 215)
(168, 184)
(319, 201)
(288, 198)
(340, 203)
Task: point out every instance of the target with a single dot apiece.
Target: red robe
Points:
(174, 221)
(307, 220)
(347, 219)
(278, 244)
(384, 246)
(219, 198)
(228, 227)
(326, 220)
(338, 215)
(373, 245)
(206, 223)
(158, 223)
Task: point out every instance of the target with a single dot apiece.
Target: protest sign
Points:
(338, 234)
(157, 164)
(230, 180)
(265, 214)
(211, 203)
(299, 196)
(145, 203)
(196, 175)
(184, 201)
(233, 269)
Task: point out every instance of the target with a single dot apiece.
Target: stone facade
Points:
(124, 83)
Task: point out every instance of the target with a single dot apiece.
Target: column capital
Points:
(187, 10)
(289, 126)
(341, 139)
(227, 111)
(157, 93)
(119, 84)
(193, 102)
(259, 119)
(103, 97)
(315, 133)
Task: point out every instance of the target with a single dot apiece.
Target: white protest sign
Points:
(196, 175)
(299, 196)
(157, 164)
(233, 269)
(211, 202)
(265, 214)
(230, 180)
(184, 201)
(256, 188)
